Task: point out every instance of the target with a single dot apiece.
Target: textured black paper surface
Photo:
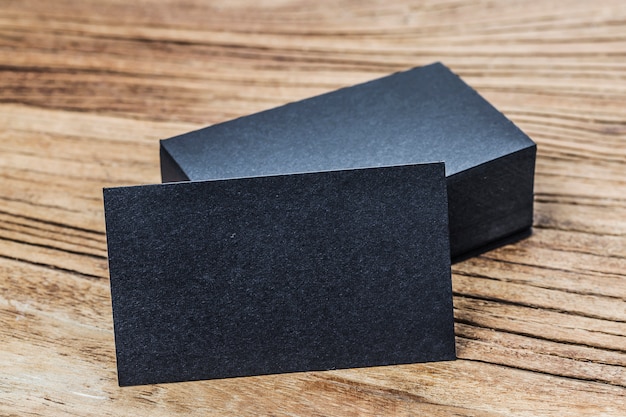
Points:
(280, 274)
(422, 115)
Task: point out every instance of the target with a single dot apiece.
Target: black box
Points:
(422, 115)
(284, 273)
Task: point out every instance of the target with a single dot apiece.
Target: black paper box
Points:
(283, 273)
(422, 115)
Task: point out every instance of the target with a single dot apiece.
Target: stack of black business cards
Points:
(316, 235)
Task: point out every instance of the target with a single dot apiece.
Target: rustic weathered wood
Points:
(88, 87)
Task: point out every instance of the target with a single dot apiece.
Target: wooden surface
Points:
(88, 87)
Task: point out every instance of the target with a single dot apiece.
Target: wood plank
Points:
(88, 87)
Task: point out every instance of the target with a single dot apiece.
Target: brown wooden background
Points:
(88, 87)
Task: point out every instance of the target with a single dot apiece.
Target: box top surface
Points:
(274, 274)
(426, 114)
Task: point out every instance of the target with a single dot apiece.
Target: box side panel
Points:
(170, 170)
(491, 203)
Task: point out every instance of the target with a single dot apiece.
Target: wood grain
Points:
(88, 87)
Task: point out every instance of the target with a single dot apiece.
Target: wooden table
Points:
(88, 87)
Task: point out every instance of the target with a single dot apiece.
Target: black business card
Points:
(285, 273)
(422, 115)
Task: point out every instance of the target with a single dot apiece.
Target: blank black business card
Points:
(422, 115)
(286, 273)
